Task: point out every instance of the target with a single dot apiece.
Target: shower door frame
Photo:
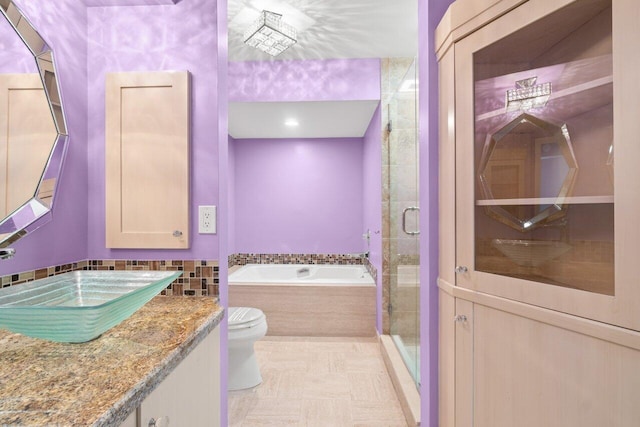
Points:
(403, 248)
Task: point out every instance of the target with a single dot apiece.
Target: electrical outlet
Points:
(207, 219)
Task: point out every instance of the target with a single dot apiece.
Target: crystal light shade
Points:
(270, 34)
(527, 95)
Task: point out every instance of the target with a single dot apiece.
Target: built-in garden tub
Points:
(308, 299)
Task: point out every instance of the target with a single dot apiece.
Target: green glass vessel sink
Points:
(78, 306)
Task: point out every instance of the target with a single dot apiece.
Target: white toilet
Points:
(246, 326)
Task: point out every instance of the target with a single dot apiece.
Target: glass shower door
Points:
(404, 225)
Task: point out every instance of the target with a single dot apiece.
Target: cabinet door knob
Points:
(177, 233)
(460, 318)
(461, 269)
(159, 422)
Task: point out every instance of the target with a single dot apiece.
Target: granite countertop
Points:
(99, 383)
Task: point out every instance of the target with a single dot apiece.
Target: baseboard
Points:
(402, 381)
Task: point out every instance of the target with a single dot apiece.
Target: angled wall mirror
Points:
(527, 160)
(33, 132)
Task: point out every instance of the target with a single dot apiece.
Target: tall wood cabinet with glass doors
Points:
(539, 213)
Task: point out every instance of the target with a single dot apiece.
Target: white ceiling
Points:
(327, 29)
(315, 119)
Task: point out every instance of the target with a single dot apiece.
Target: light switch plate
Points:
(206, 219)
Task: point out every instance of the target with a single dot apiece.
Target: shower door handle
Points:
(404, 220)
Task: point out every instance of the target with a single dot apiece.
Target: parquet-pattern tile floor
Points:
(330, 382)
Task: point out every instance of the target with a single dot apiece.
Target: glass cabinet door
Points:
(540, 112)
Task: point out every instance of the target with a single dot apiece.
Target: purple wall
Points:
(223, 176)
(291, 81)
(372, 201)
(155, 38)
(429, 15)
(14, 54)
(311, 80)
(64, 239)
(299, 195)
(99, 3)
(231, 192)
(179, 37)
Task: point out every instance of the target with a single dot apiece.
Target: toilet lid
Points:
(244, 317)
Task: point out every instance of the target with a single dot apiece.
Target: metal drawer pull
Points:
(460, 318)
(160, 422)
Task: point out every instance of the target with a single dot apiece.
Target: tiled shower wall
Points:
(398, 158)
(342, 259)
(199, 277)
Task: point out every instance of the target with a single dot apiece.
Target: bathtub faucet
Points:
(304, 271)
(6, 253)
(360, 255)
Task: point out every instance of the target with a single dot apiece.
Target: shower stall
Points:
(401, 243)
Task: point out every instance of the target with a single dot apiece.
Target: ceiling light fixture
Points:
(527, 95)
(270, 34)
(291, 122)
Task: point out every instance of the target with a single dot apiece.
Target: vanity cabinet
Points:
(539, 303)
(189, 395)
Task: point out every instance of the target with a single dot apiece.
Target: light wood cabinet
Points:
(189, 395)
(131, 421)
(27, 135)
(147, 160)
(539, 303)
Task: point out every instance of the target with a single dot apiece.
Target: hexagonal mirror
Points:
(526, 170)
(33, 133)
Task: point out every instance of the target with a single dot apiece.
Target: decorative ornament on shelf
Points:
(270, 34)
(527, 95)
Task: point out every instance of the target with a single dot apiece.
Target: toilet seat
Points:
(244, 317)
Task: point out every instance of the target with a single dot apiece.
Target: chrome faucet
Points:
(304, 271)
(6, 253)
(360, 254)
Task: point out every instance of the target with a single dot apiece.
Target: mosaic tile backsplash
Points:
(345, 259)
(199, 277)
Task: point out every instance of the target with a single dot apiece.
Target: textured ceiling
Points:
(331, 28)
(327, 29)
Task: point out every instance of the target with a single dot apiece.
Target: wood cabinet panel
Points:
(536, 350)
(530, 374)
(131, 421)
(447, 163)
(147, 160)
(595, 279)
(464, 353)
(27, 134)
(446, 360)
(190, 395)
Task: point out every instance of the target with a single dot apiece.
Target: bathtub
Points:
(308, 299)
(302, 274)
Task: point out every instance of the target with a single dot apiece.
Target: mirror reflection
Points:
(32, 126)
(544, 152)
(528, 158)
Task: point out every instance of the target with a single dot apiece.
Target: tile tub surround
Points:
(199, 277)
(100, 382)
(309, 309)
(341, 259)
